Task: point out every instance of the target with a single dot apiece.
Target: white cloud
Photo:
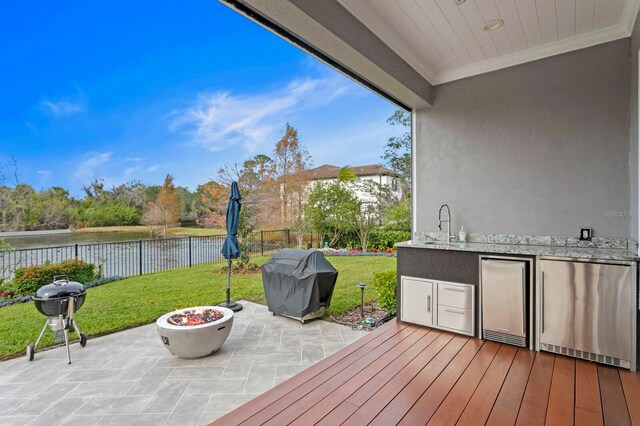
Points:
(131, 170)
(62, 108)
(91, 166)
(153, 168)
(217, 121)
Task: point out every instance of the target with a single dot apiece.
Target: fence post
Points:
(288, 238)
(261, 243)
(140, 255)
(190, 261)
(76, 251)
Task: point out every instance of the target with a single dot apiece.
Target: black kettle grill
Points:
(58, 302)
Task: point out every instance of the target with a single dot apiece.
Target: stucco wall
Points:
(537, 149)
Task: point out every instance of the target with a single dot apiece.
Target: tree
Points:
(347, 174)
(290, 165)
(211, 203)
(52, 209)
(397, 151)
(187, 203)
(375, 199)
(165, 209)
(249, 177)
(331, 209)
(111, 213)
(398, 215)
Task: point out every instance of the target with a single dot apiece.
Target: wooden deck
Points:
(402, 374)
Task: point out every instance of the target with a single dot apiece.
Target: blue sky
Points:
(134, 90)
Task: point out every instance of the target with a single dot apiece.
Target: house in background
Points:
(328, 173)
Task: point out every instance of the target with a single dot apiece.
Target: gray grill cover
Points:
(297, 282)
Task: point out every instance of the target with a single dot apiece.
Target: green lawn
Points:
(141, 300)
(197, 232)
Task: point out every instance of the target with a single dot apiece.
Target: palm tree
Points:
(347, 174)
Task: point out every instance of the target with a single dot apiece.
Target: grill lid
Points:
(61, 287)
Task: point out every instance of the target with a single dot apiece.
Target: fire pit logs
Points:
(195, 332)
(195, 317)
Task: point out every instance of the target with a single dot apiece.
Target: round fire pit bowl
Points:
(195, 332)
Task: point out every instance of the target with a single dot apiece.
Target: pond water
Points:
(55, 240)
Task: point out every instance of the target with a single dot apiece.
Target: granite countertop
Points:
(531, 250)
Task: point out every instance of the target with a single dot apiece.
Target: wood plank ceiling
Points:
(445, 41)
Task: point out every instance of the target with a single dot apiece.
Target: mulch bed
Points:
(353, 316)
(243, 271)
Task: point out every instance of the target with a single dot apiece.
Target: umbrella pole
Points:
(235, 307)
(229, 282)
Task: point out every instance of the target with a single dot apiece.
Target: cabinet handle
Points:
(428, 303)
(459, 290)
(453, 312)
(541, 302)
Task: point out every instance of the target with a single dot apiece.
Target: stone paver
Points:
(130, 378)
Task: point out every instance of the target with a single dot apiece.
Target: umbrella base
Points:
(235, 307)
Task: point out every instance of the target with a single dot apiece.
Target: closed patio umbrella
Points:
(230, 249)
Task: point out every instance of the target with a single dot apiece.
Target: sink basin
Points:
(441, 243)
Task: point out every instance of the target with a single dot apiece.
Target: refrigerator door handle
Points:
(541, 302)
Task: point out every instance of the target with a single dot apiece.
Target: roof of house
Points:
(328, 171)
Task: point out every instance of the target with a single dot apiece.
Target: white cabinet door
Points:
(417, 301)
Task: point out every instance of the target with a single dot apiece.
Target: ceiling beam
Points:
(329, 32)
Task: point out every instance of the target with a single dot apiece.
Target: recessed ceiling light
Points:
(459, 2)
(493, 24)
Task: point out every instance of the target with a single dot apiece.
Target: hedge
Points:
(379, 239)
(28, 280)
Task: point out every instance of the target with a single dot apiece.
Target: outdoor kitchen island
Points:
(579, 300)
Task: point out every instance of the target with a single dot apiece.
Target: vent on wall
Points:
(609, 360)
(505, 338)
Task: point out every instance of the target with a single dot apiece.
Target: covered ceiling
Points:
(445, 40)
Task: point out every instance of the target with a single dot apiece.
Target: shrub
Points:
(29, 279)
(379, 239)
(383, 239)
(113, 214)
(385, 284)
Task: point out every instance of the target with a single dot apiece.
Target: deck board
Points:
(408, 389)
(404, 374)
(533, 410)
(614, 404)
(560, 408)
(483, 399)
(631, 387)
(290, 399)
(372, 363)
(455, 402)
(506, 408)
(367, 380)
(376, 398)
(588, 410)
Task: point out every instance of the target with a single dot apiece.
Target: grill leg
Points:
(41, 333)
(75, 327)
(66, 342)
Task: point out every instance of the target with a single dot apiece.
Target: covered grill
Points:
(59, 301)
(298, 283)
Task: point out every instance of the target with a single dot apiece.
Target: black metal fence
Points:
(139, 257)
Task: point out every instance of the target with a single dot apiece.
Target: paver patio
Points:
(130, 378)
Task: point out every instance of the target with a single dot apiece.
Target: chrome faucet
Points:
(450, 237)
